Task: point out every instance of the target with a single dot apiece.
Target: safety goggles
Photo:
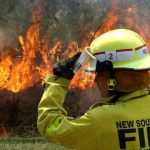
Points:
(86, 58)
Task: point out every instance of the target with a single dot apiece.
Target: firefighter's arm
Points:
(50, 109)
(53, 122)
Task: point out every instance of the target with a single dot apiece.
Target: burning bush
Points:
(56, 32)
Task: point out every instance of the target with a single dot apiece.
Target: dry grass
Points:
(27, 144)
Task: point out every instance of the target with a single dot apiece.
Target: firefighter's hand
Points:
(64, 68)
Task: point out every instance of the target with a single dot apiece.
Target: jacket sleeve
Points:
(53, 123)
(50, 110)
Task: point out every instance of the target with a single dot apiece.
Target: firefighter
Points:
(121, 66)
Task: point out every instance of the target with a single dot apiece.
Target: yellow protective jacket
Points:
(119, 126)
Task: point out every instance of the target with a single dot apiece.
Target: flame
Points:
(109, 23)
(20, 74)
(17, 74)
(5, 66)
(83, 80)
(134, 23)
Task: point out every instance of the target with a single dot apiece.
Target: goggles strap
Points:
(105, 66)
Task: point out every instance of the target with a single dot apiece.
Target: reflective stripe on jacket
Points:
(119, 126)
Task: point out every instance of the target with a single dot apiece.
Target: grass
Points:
(27, 144)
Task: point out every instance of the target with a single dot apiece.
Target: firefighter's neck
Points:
(101, 81)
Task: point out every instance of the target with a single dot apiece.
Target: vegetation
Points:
(28, 144)
(64, 20)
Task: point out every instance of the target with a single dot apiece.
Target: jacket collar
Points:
(126, 97)
(134, 94)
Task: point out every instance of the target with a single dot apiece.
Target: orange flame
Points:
(17, 74)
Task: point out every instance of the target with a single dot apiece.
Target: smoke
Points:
(65, 19)
(12, 18)
(73, 19)
(7, 40)
(2, 40)
(15, 17)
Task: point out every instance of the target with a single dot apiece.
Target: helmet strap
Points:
(111, 82)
